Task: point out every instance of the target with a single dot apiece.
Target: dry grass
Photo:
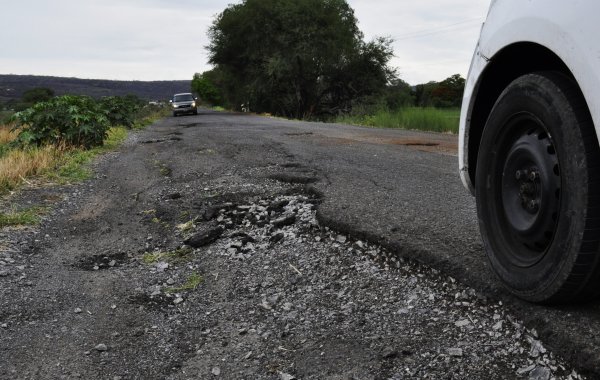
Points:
(17, 164)
(6, 135)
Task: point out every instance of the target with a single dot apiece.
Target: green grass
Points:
(179, 255)
(190, 284)
(27, 217)
(5, 116)
(424, 119)
(73, 166)
(149, 115)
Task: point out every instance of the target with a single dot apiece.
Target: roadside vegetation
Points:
(309, 60)
(443, 120)
(27, 217)
(55, 138)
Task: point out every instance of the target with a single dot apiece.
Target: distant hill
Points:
(13, 86)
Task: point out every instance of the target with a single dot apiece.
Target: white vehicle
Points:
(529, 148)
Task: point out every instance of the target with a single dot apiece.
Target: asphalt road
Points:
(400, 189)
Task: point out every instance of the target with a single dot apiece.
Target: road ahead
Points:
(397, 189)
(402, 189)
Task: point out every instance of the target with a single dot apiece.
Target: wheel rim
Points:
(530, 182)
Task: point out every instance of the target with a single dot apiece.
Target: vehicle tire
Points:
(538, 190)
(196, 112)
(174, 114)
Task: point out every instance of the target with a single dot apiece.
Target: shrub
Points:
(121, 110)
(63, 121)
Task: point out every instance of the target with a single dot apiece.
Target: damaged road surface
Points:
(241, 247)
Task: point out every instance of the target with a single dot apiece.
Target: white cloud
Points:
(162, 39)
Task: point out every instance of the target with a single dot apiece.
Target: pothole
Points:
(102, 262)
(294, 178)
(152, 302)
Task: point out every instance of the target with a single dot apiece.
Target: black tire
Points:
(196, 112)
(174, 114)
(538, 191)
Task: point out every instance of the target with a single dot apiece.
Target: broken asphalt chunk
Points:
(203, 238)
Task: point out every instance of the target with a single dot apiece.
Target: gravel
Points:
(229, 275)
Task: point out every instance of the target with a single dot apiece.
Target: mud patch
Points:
(158, 141)
(300, 134)
(152, 302)
(293, 178)
(291, 165)
(415, 143)
(102, 262)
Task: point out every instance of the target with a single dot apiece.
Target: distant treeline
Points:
(307, 59)
(12, 87)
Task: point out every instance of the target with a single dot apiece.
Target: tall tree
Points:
(206, 85)
(298, 58)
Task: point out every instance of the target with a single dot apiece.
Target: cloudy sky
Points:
(165, 39)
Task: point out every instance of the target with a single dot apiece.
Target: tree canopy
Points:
(447, 93)
(296, 58)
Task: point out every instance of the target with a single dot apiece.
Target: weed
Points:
(206, 151)
(21, 218)
(193, 281)
(178, 255)
(163, 169)
(18, 164)
(54, 163)
(187, 226)
(184, 215)
(7, 134)
(424, 119)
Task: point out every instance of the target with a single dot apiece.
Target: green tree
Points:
(398, 94)
(296, 58)
(206, 85)
(33, 96)
(37, 94)
(447, 93)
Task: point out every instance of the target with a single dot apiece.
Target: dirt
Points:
(106, 288)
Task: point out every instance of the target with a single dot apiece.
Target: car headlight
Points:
(193, 104)
(175, 106)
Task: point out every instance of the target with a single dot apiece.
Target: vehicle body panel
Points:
(568, 29)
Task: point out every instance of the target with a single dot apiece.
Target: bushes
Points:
(121, 110)
(78, 121)
(63, 121)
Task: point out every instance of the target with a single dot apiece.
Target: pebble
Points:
(216, 371)
(101, 347)
(462, 323)
(540, 373)
(284, 221)
(178, 300)
(457, 352)
(524, 370)
(162, 266)
(77, 311)
(286, 376)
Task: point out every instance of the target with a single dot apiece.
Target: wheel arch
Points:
(505, 66)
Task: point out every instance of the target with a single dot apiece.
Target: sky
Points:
(165, 39)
